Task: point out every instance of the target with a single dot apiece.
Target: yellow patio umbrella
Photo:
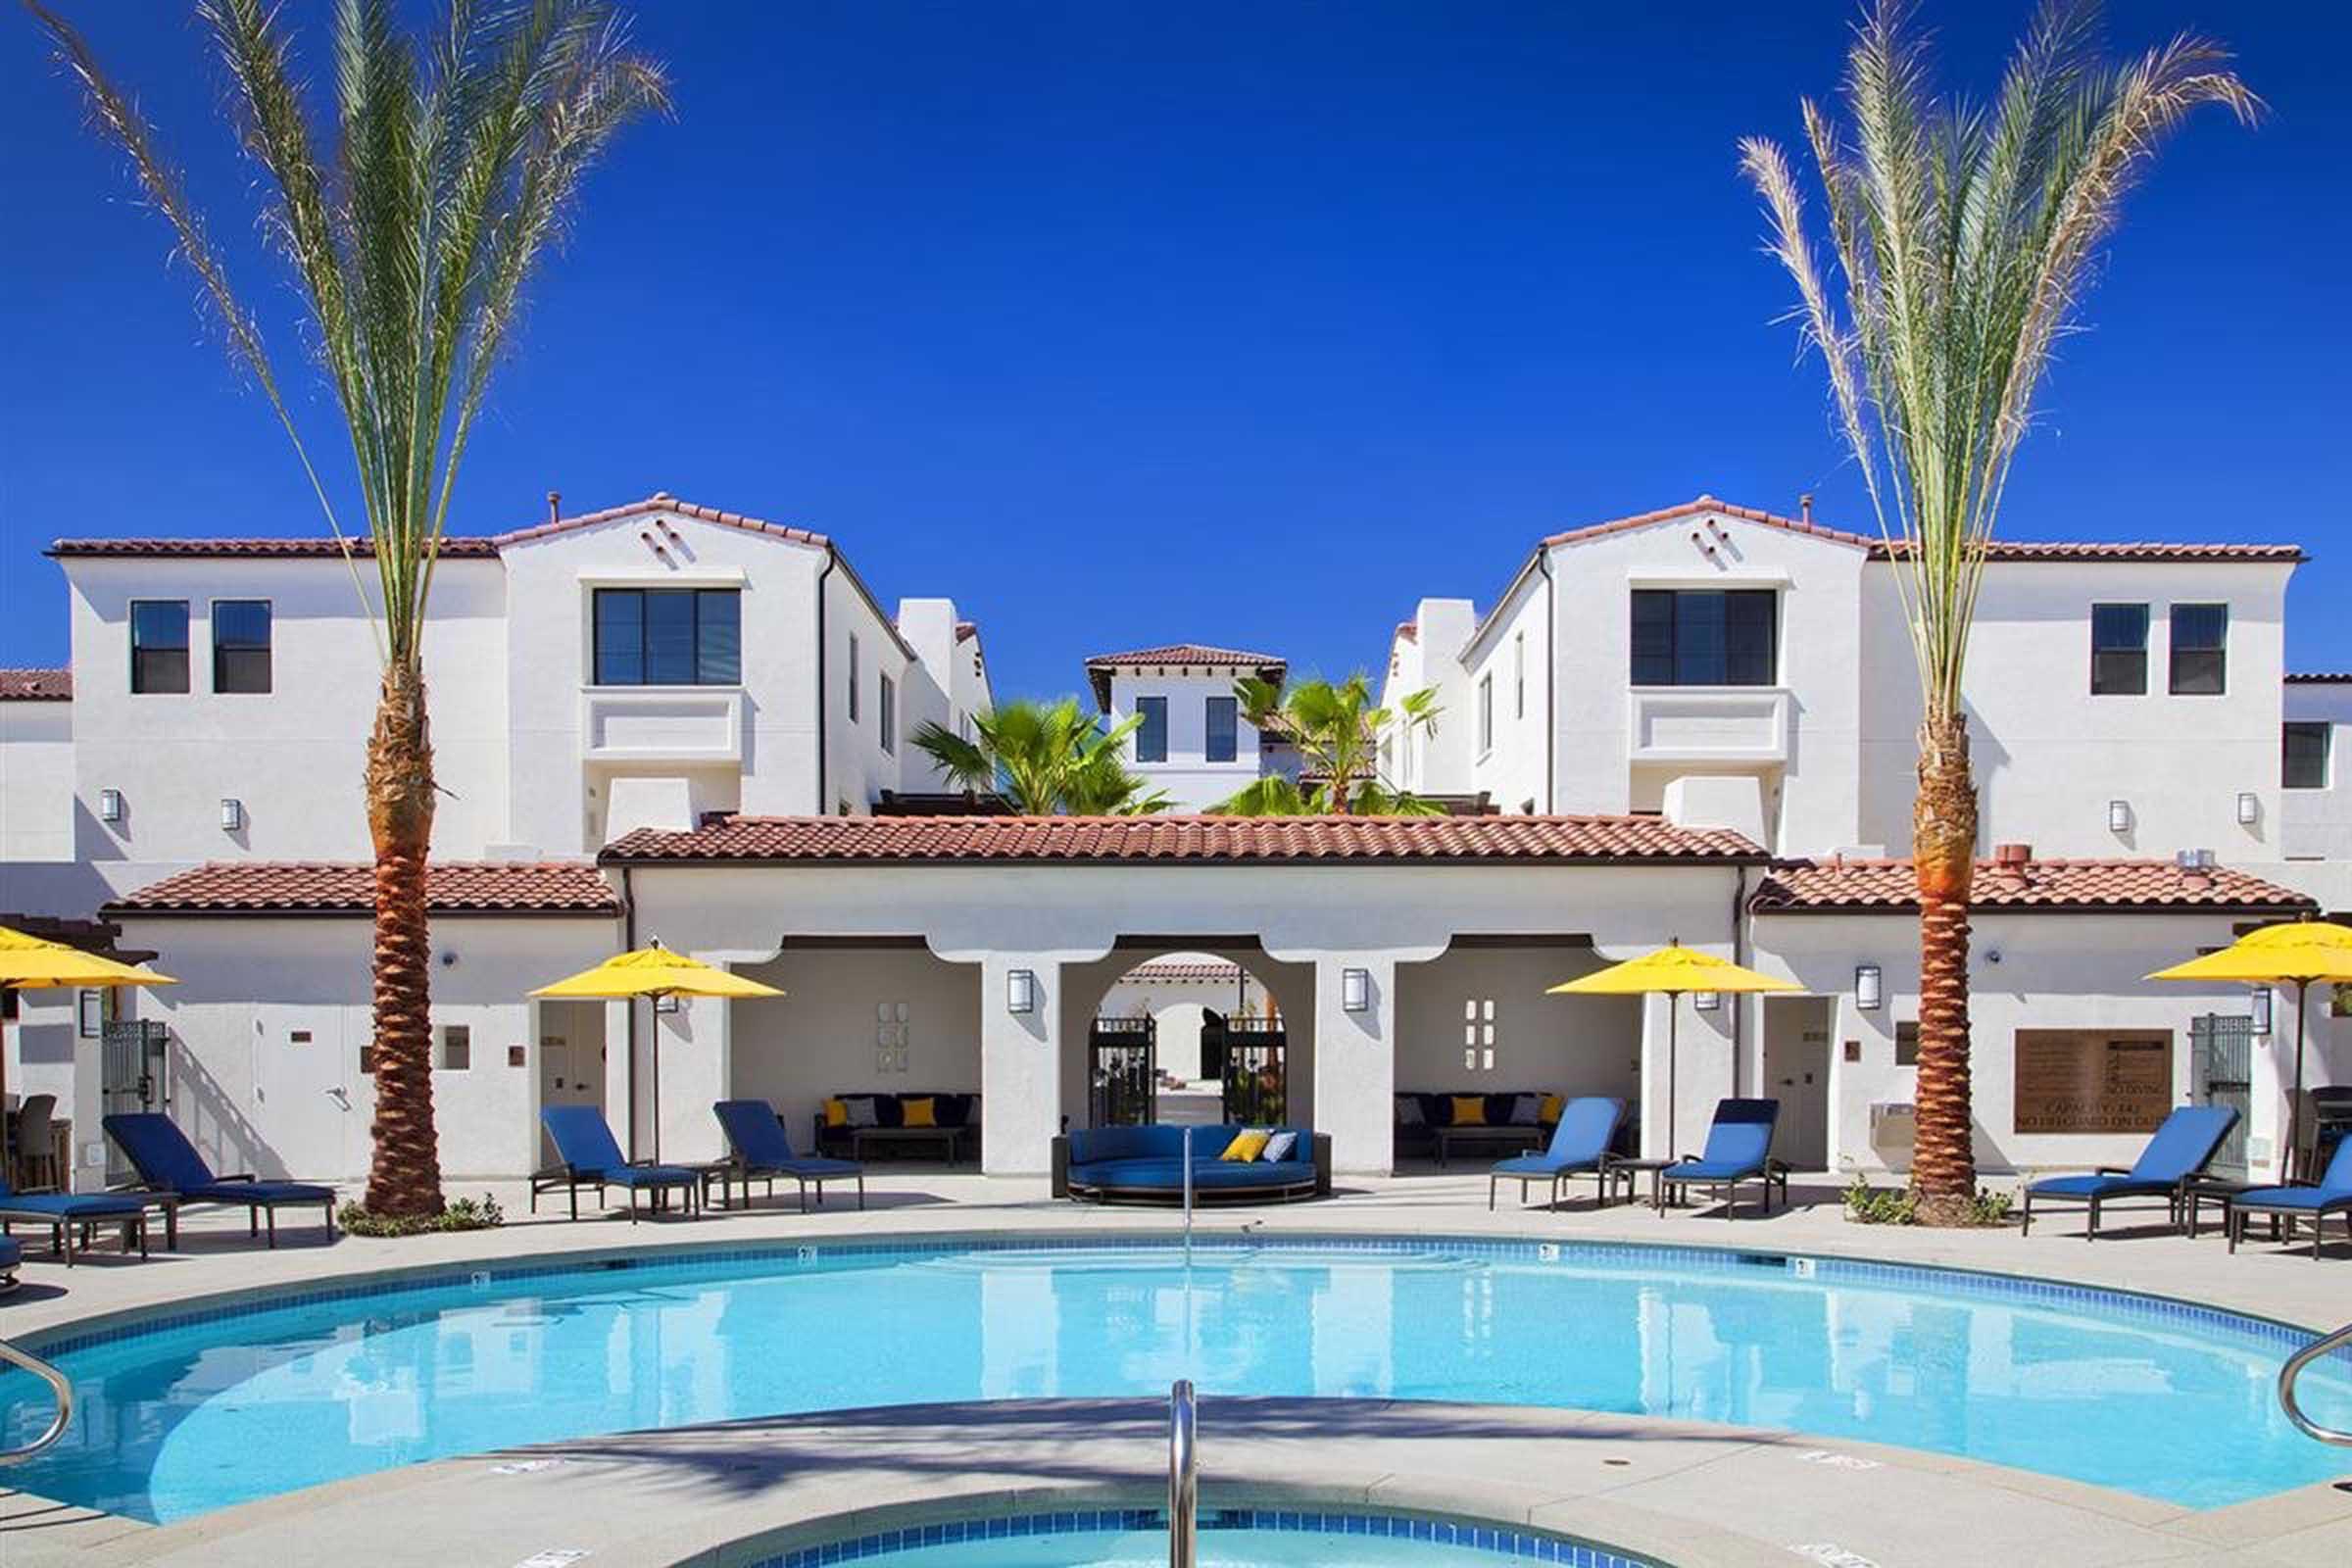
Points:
(36, 963)
(656, 973)
(2298, 952)
(1671, 970)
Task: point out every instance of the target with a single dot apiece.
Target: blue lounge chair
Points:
(1739, 1151)
(1579, 1147)
(2332, 1196)
(167, 1162)
(2175, 1152)
(763, 1150)
(11, 1252)
(70, 1214)
(587, 1156)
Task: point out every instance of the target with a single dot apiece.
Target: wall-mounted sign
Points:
(2093, 1080)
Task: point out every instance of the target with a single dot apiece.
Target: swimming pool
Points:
(226, 1406)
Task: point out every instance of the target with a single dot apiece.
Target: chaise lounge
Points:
(1739, 1151)
(11, 1252)
(762, 1150)
(1579, 1147)
(1147, 1165)
(586, 1156)
(70, 1214)
(2332, 1195)
(2176, 1153)
(167, 1163)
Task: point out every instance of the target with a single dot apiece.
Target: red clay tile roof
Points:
(1407, 632)
(305, 887)
(2001, 550)
(1160, 973)
(1100, 665)
(36, 685)
(2320, 677)
(661, 500)
(2056, 886)
(967, 630)
(1167, 840)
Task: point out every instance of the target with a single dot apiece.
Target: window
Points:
(240, 645)
(1485, 714)
(1151, 735)
(888, 713)
(1906, 1044)
(2305, 761)
(2201, 650)
(1706, 636)
(1519, 675)
(457, 1048)
(669, 637)
(2119, 650)
(853, 678)
(1224, 729)
(159, 644)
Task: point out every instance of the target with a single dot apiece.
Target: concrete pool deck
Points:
(1692, 1495)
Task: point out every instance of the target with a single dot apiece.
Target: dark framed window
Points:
(888, 714)
(2305, 765)
(2119, 650)
(1906, 1044)
(1706, 636)
(1151, 735)
(854, 673)
(240, 645)
(1224, 741)
(2201, 650)
(669, 636)
(159, 644)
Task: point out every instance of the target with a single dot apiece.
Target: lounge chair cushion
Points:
(643, 1176)
(812, 1168)
(11, 1252)
(2293, 1199)
(2097, 1186)
(70, 1206)
(1713, 1170)
(160, 1150)
(264, 1192)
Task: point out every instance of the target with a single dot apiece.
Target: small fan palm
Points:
(1338, 732)
(411, 228)
(1047, 758)
(1964, 237)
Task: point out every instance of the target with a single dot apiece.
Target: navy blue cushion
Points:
(1168, 1174)
(2095, 1186)
(646, 1176)
(260, 1193)
(812, 1168)
(2293, 1199)
(72, 1205)
(952, 1110)
(12, 1251)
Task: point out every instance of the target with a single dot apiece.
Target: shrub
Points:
(1866, 1204)
(460, 1214)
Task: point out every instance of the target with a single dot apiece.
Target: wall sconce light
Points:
(1355, 990)
(2261, 1010)
(1868, 991)
(1020, 991)
(2119, 817)
(1706, 1000)
(2249, 808)
(232, 816)
(109, 805)
(89, 1015)
(670, 1003)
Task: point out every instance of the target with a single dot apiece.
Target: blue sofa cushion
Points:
(1160, 1140)
(1207, 1174)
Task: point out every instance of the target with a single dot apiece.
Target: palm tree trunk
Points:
(1944, 848)
(406, 1177)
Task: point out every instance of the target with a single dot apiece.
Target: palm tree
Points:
(412, 227)
(1338, 732)
(1964, 237)
(1044, 757)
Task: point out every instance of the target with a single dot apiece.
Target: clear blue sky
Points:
(1243, 323)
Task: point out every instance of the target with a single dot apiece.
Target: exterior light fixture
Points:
(1869, 988)
(2261, 1009)
(232, 816)
(1706, 1000)
(2249, 808)
(109, 805)
(1020, 991)
(1355, 990)
(2119, 817)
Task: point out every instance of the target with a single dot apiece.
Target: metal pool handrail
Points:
(58, 1385)
(2293, 1369)
(1184, 1475)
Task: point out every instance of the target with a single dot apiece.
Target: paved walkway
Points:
(1698, 1497)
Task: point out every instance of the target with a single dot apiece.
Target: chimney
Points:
(1805, 507)
(555, 505)
(2009, 864)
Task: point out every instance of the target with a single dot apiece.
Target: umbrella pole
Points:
(1672, 1022)
(2294, 1106)
(654, 1066)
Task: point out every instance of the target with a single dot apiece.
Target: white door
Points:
(572, 1058)
(307, 1121)
(1796, 1073)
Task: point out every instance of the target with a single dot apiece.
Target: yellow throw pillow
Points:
(837, 1113)
(919, 1112)
(1469, 1110)
(1246, 1147)
(1553, 1106)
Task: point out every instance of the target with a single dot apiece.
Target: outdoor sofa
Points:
(586, 1156)
(759, 1149)
(2176, 1153)
(1147, 1165)
(855, 1126)
(68, 1214)
(2330, 1194)
(170, 1166)
(1739, 1151)
(1436, 1122)
(1579, 1147)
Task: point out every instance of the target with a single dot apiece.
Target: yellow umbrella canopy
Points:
(2296, 954)
(1673, 970)
(30, 964)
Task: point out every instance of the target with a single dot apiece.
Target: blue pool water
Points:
(2155, 1399)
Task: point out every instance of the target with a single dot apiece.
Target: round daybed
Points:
(1146, 1165)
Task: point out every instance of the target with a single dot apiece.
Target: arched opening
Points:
(1188, 1036)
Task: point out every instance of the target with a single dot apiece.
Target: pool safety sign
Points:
(2092, 1080)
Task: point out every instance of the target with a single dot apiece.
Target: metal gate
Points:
(133, 1075)
(1257, 1076)
(1123, 1071)
(2221, 1073)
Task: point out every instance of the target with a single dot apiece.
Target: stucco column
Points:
(1355, 1062)
(1020, 1065)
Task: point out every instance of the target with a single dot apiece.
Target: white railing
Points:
(58, 1386)
(1184, 1475)
(2293, 1369)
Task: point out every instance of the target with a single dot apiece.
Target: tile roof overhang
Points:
(36, 685)
(1099, 666)
(1131, 841)
(341, 888)
(1161, 973)
(2032, 887)
(2320, 677)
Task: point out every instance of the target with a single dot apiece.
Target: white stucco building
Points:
(667, 720)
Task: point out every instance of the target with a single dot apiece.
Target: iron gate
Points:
(2222, 1057)
(1257, 1076)
(133, 1075)
(1123, 1071)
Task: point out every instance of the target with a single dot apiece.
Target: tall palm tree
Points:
(1338, 732)
(1046, 758)
(411, 224)
(1964, 237)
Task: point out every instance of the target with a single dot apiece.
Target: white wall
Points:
(2317, 823)
(1192, 781)
(1516, 639)
(1564, 1044)
(36, 782)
